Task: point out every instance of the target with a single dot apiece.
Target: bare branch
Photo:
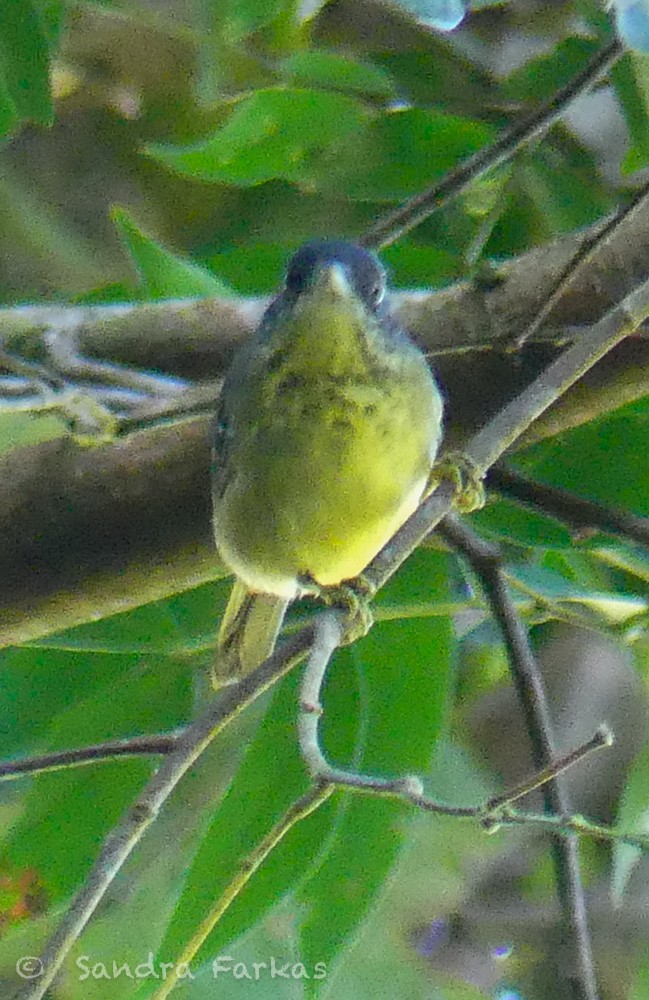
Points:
(483, 450)
(388, 229)
(134, 746)
(511, 424)
(584, 256)
(96, 531)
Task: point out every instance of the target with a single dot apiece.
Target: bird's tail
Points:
(248, 633)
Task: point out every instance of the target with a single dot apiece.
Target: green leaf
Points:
(609, 607)
(270, 778)
(414, 264)
(244, 970)
(35, 686)
(238, 18)
(436, 74)
(633, 560)
(19, 430)
(630, 77)
(272, 133)
(66, 813)
(372, 719)
(318, 68)
(52, 16)
(134, 922)
(539, 78)
(561, 178)
(9, 116)
(414, 592)
(508, 521)
(520, 224)
(253, 268)
(164, 274)
(400, 152)
(632, 818)
(184, 623)
(381, 961)
(640, 986)
(574, 459)
(24, 61)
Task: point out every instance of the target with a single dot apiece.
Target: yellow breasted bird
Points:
(328, 426)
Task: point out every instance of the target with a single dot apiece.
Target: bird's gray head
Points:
(360, 269)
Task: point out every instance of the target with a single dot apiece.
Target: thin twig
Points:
(485, 560)
(602, 737)
(327, 632)
(63, 351)
(587, 250)
(583, 257)
(189, 746)
(567, 826)
(575, 511)
(134, 746)
(408, 790)
(299, 810)
(198, 399)
(421, 206)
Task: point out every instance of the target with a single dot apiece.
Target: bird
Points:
(328, 426)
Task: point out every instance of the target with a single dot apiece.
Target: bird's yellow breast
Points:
(331, 453)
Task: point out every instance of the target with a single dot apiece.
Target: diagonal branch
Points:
(97, 530)
(388, 229)
(121, 842)
(299, 810)
(511, 424)
(584, 256)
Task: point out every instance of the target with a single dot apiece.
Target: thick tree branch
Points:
(195, 338)
(95, 531)
(512, 422)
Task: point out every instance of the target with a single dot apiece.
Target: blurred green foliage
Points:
(192, 147)
(230, 130)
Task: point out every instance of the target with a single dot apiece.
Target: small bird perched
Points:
(328, 427)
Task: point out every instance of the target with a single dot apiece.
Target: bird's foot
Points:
(352, 597)
(465, 477)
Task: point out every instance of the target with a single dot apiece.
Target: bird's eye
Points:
(376, 293)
